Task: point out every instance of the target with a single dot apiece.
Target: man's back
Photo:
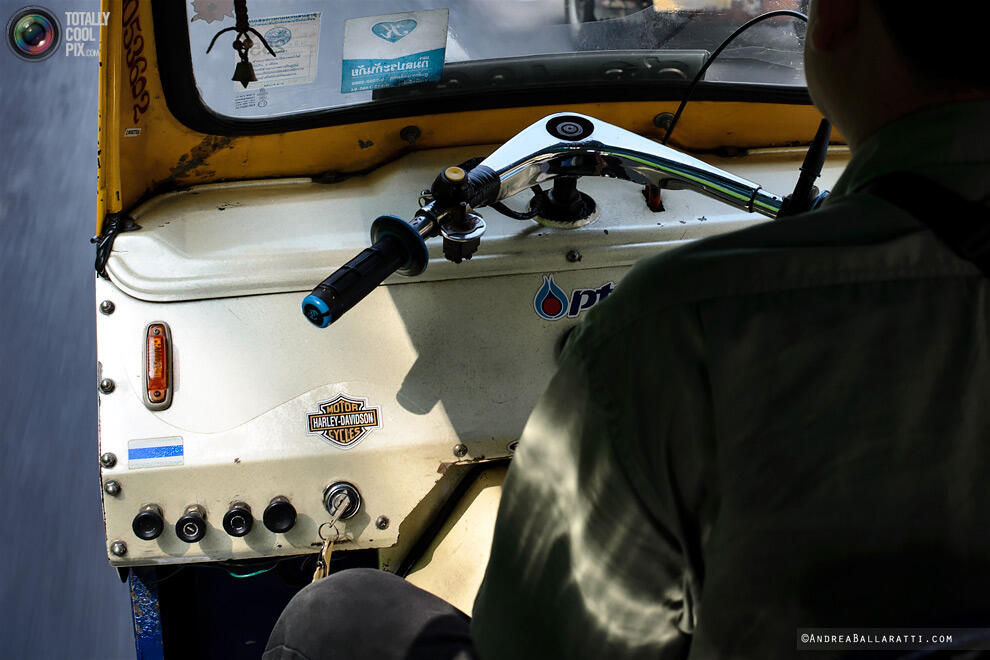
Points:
(778, 428)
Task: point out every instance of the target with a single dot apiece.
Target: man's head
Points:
(871, 61)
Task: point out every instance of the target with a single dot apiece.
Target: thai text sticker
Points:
(296, 42)
(393, 50)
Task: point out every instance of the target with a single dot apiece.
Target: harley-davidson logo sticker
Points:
(344, 420)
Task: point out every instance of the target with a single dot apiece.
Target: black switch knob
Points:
(238, 521)
(279, 515)
(148, 523)
(191, 527)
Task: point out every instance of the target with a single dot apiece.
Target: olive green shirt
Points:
(786, 426)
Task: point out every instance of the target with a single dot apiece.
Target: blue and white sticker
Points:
(394, 50)
(154, 452)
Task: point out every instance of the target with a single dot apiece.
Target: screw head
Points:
(410, 134)
(107, 307)
(382, 522)
(108, 460)
(112, 488)
(107, 386)
(118, 548)
(663, 120)
(573, 256)
(460, 450)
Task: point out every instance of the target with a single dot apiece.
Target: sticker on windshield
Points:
(393, 50)
(296, 42)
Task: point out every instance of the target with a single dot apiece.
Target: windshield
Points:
(324, 60)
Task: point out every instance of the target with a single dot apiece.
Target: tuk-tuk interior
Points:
(229, 424)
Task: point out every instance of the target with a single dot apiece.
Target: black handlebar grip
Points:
(354, 280)
(396, 246)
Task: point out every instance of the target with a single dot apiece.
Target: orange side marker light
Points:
(158, 367)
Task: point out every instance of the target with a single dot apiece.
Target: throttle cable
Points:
(718, 51)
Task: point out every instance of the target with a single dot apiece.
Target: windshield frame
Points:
(183, 99)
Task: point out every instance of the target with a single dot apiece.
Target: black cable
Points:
(519, 215)
(701, 72)
(805, 193)
(516, 215)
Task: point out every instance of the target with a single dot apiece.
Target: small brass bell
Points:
(244, 73)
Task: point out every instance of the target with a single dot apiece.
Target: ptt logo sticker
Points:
(344, 420)
(552, 303)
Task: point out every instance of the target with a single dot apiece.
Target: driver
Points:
(780, 428)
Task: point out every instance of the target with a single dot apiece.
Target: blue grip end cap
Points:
(316, 311)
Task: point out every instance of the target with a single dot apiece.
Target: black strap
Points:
(964, 226)
(113, 224)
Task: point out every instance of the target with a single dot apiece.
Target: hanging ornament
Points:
(244, 71)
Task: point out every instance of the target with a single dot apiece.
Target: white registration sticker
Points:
(296, 42)
(393, 50)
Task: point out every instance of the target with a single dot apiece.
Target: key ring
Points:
(333, 526)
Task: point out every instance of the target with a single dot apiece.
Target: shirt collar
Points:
(953, 133)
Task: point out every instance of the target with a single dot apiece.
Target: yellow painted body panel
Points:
(164, 154)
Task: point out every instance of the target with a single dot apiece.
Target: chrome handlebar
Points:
(569, 144)
(561, 145)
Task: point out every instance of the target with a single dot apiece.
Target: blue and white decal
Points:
(154, 452)
(392, 31)
(552, 303)
(393, 50)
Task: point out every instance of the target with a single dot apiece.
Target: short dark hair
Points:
(946, 48)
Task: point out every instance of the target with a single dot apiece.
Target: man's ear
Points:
(833, 22)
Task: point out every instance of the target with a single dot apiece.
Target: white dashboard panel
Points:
(458, 356)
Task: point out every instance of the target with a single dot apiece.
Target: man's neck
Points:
(892, 106)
